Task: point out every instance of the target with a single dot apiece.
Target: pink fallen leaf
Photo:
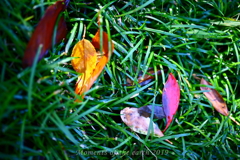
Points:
(170, 99)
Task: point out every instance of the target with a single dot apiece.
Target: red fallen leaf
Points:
(61, 30)
(170, 98)
(43, 34)
(215, 98)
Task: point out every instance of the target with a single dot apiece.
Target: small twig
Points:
(84, 31)
(196, 77)
(234, 120)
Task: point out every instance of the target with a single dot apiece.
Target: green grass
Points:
(39, 117)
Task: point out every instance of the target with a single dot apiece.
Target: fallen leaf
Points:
(86, 57)
(143, 80)
(98, 69)
(147, 110)
(149, 76)
(215, 98)
(170, 99)
(139, 124)
(97, 42)
(105, 56)
(88, 62)
(85, 63)
(43, 34)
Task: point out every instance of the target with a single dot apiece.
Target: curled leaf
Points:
(170, 99)
(139, 124)
(97, 42)
(43, 34)
(147, 110)
(143, 80)
(147, 77)
(215, 98)
(105, 56)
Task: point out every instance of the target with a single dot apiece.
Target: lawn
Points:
(40, 118)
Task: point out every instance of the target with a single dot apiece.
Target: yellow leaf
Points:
(85, 63)
(88, 63)
(86, 57)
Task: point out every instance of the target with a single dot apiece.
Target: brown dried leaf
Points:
(43, 33)
(143, 80)
(215, 98)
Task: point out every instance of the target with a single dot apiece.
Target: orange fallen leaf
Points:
(215, 98)
(86, 57)
(85, 63)
(88, 62)
(97, 42)
(99, 67)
